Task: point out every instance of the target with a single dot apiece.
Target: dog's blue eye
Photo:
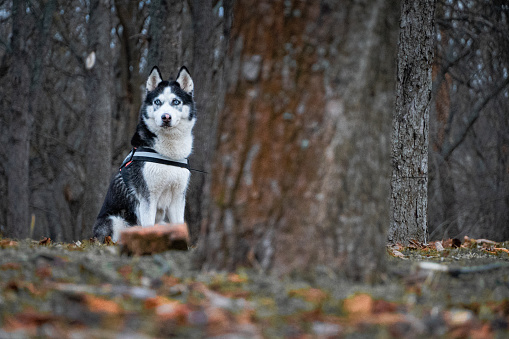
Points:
(175, 102)
(157, 102)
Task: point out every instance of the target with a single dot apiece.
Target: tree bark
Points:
(131, 19)
(19, 124)
(300, 172)
(409, 181)
(207, 73)
(99, 88)
(168, 41)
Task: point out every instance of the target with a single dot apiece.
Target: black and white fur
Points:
(152, 193)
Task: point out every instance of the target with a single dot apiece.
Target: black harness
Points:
(149, 155)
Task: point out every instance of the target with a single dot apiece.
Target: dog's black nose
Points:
(166, 117)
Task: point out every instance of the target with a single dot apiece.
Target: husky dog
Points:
(151, 185)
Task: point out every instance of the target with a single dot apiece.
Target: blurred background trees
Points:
(314, 83)
(469, 121)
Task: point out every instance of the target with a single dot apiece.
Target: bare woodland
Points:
(297, 106)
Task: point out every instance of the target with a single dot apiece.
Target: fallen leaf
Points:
(101, 305)
(383, 306)
(218, 321)
(125, 271)
(173, 310)
(10, 266)
(396, 253)
(414, 244)
(313, 295)
(484, 332)
(153, 303)
(169, 280)
(43, 272)
(500, 249)
(45, 241)
(384, 319)
(27, 319)
(8, 243)
(108, 241)
(459, 317)
(236, 278)
(486, 241)
(360, 304)
(456, 243)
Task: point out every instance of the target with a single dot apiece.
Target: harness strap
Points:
(149, 155)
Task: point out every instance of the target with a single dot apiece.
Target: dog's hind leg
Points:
(118, 224)
(103, 227)
(109, 226)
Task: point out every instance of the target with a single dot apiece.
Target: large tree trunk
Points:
(300, 175)
(169, 44)
(99, 89)
(409, 181)
(19, 123)
(207, 72)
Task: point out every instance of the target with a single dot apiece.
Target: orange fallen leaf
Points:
(383, 306)
(313, 295)
(501, 249)
(29, 319)
(218, 321)
(360, 304)
(8, 243)
(485, 332)
(43, 272)
(153, 303)
(173, 310)
(125, 271)
(31, 288)
(10, 266)
(101, 305)
(383, 319)
(108, 240)
(235, 278)
(45, 241)
(169, 280)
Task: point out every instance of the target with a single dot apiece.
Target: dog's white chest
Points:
(164, 179)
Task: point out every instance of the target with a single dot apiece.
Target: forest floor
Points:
(88, 290)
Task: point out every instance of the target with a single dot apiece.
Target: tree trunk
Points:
(300, 172)
(168, 42)
(131, 19)
(207, 72)
(99, 88)
(409, 181)
(19, 123)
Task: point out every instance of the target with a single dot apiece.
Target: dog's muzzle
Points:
(166, 120)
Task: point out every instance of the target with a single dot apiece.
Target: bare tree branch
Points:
(449, 147)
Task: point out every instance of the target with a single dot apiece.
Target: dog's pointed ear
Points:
(154, 79)
(185, 81)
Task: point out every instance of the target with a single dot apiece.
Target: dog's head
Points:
(169, 105)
